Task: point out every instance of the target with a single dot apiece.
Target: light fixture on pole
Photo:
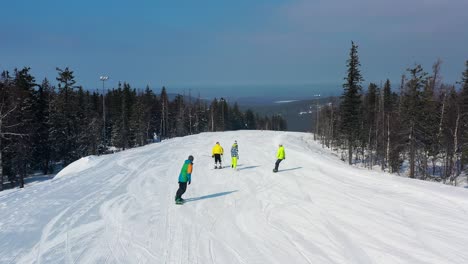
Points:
(103, 79)
(317, 118)
(223, 101)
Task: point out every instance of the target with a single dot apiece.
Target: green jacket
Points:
(281, 154)
(186, 172)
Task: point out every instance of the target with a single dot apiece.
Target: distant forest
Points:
(421, 125)
(43, 127)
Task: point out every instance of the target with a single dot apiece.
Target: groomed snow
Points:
(119, 208)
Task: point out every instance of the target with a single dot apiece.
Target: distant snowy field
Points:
(119, 208)
(285, 101)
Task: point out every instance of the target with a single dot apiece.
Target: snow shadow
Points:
(214, 195)
(249, 167)
(13, 183)
(297, 168)
(38, 178)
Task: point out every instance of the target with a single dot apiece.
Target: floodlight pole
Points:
(317, 119)
(103, 79)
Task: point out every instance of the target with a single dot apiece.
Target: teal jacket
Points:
(186, 172)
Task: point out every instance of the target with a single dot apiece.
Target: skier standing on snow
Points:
(234, 155)
(184, 177)
(280, 155)
(217, 152)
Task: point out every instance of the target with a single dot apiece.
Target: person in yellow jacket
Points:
(216, 153)
(280, 155)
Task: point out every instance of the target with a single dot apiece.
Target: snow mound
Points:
(78, 166)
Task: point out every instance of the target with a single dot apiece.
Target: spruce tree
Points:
(24, 84)
(411, 113)
(214, 116)
(236, 122)
(387, 116)
(179, 117)
(351, 101)
(250, 122)
(8, 107)
(164, 113)
(42, 152)
(427, 123)
(464, 117)
(368, 137)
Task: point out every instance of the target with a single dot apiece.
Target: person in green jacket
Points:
(280, 155)
(184, 177)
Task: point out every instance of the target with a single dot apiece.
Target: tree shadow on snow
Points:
(297, 168)
(249, 167)
(8, 184)
(214, 195)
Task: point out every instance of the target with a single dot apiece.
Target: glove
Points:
(212, 156)
(189, 182)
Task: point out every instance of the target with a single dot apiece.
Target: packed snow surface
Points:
(120, 208)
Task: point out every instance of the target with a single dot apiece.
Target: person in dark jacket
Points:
(185, 177)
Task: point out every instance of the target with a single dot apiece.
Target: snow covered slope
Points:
(119, 209)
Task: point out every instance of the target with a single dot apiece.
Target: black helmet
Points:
(190, 158)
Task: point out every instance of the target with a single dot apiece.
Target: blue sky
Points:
(183, 44)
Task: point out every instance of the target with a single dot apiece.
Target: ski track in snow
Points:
(315, 210)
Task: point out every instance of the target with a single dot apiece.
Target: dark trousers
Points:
(217, 158)
(181, 190)
(277, 163)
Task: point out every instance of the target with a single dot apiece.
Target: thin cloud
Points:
(377, 15)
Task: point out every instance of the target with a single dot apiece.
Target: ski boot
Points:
(179, 201)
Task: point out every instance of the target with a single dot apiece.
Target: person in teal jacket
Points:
(185, 177)
(280, 155)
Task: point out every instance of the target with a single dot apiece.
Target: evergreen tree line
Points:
(43, 127)
(421, 124)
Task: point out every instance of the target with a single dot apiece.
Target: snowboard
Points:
(181, 201)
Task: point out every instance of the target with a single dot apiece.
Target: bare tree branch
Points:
(7, 113)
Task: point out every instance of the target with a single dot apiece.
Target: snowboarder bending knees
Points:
(185, 177)
(280, 155)
(216, 153)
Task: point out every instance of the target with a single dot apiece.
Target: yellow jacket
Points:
(281, 154)
(217, 149)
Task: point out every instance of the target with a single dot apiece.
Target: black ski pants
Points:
(278, 161)
(181, 190)
(217, 158)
